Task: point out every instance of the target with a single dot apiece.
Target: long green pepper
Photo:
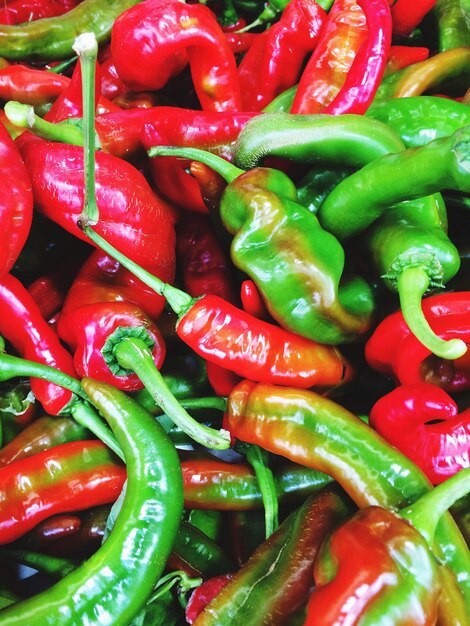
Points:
(114, 584)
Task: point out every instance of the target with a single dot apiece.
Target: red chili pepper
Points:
(203, 594)
(69, 477)
(111, 85)
(256, 350)
(70, 102)
(240, 42)
(424, 423)
(20, 11)
(132, 216)
(402, 56)
(394, 350)
(407, 15)
(274, 61)
(30, 86)
(21, 323)
(212, 131)
(367, 69)
(104, 297)
(16, 204)
(174, 32)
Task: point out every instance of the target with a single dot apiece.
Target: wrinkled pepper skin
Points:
(276, 580)
(16, 204)
(68, 477)
(393, 350)
(397, 583)
(278, 244)
(424, 423)
(132, 217)
(52, 38)
(222, 333)
(314, 431)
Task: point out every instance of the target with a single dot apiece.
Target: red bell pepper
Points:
(424, 423)
(21, 324)
(16, 204)
(266, 71)
(175, 32)
(394, 350)
(69, 477)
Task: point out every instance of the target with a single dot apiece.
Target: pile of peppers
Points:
(235, 313)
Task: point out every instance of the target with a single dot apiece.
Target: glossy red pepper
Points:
(173, 32)
(274, 61)
(251, 299)
(103, 298)
(132, 217)
(424, 422)
(21, 323)
(70, 102)
(16, 203)
(406, 16)
(20, 11)
(111, 85)
(29, 85)
(212, 131)
(394, 350)
(402, 56)
(69, 477)
(343, 34)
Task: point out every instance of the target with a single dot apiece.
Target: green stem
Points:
(178, 300)
(52, 565)
(23, 115)
(14, 367)
(258, 459)
(412, 284)
(60, 67)
(426, 512)
(134, 354)
(227, 170)
(86, 46)
(86, 416)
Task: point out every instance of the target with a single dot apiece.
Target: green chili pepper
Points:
(116, 581)
(202, 555)
(453, 23)
(420, 119)
(52, 565)
(52, 38)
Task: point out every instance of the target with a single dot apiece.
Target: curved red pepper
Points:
(132, 217)
(402, 56)
(394, 350)
(254, 349)
(104, 297)
(16, 203)
(151, 41)
(21, 323)
(209, 130)
(274, 61)
(424, 423)
(69, 477)
(252, 302)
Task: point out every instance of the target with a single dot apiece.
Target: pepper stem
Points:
(133, 354)
(227, 170)
(412, 284)
(86, 46)
(23, 115)
(426, 512)
(258, 459)
(81, 411)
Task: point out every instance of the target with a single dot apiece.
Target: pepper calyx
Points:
(123, 332)
(426, 261)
